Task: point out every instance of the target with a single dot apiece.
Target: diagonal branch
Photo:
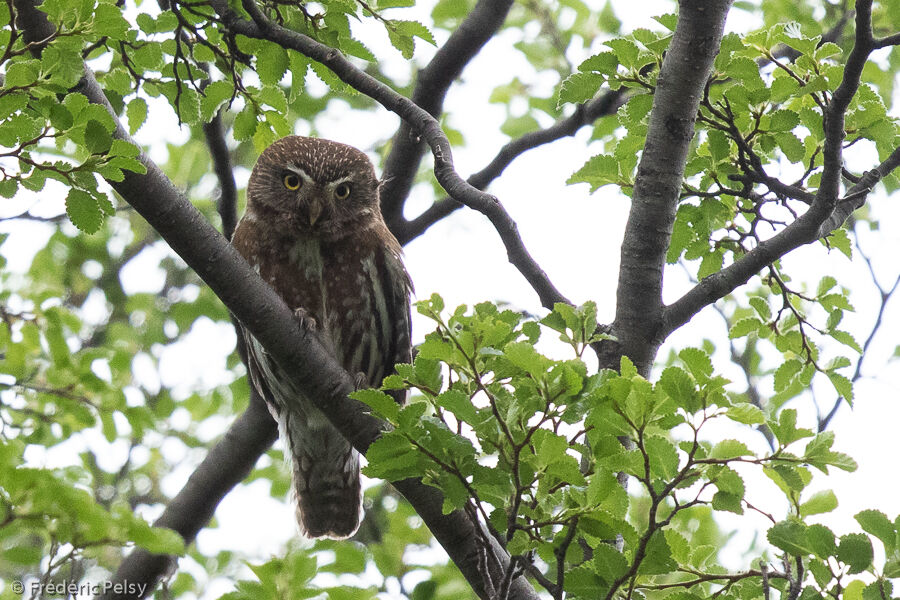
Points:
(585, 114)
(225, 466)
(296, 350)
(431, 88)
(418, 119)
(825, 214)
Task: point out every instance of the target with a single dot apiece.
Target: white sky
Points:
(575, 237)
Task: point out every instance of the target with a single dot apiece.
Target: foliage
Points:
(599, 483)
(533, 445)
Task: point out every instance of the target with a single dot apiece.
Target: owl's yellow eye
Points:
(342, 191)
(291, 181)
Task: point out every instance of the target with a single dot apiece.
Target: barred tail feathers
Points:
(325, 476)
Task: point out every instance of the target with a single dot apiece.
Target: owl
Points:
(313, 231)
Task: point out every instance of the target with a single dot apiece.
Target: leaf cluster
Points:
(539, 449)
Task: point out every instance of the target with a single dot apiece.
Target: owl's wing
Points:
(257, 375)
(400, 286)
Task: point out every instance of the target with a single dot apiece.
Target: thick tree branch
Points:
(825, 214)
(585, 114)
(431, 88)
(422, 122)
(680, 87)
(225, 466)
(296, 350)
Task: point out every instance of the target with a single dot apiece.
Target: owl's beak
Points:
(315, 211)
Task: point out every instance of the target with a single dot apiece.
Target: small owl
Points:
(313, 230)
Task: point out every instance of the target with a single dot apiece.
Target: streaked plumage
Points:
(314, 232)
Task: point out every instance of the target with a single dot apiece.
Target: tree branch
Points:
(585, 114)
(431, 88)
(680, 87)
(418, 119)
(296, 350)
(825, 214)
(226, 465)
(221, 160)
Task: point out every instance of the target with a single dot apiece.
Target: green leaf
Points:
(842, 385)
(680, 387)
(96, 138)
(381, 403)
(855, 551)
(727, 449)
(840, 240)
(663, 457)
(401, 34)
(761, 306)
(658, 558)
(524, 356)
(83, 211)
(136, 111)
(846, 339)
(746, 413)
(876, 523)
(820, 502)
(598, 171)
(579, 87)
(626, 52)
(271, 63)
(245, 124)
(783, 120)
(790, 536)
(156, 539)
(744, 327)
(697, 362)
(608, 562)
(821, 540)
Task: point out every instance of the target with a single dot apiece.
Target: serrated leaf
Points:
(697, 362)
(727, 449)
(401, 34)
(680, 388)
(271, 63)
(626, 51)
(855, 551)
(136, 112)
(579, 87)
(83, 211)
(244, 124)
(842, 386)
(821, 540)
(840, 240)
(598, 171)
(783, 120)
(820, 502)
(789, 536)
(381, 403)
(876, 523)
(761, 306)
(846, 339)
(744, 327)
(785, 373)
(746, 413)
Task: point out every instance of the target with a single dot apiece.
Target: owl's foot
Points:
(360, 381)
(304, 319)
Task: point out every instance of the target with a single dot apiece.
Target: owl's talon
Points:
(360, 381)
(304, 319)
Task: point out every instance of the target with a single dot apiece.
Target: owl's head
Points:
(313, 186)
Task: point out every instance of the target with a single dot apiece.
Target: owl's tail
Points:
(325, 473)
